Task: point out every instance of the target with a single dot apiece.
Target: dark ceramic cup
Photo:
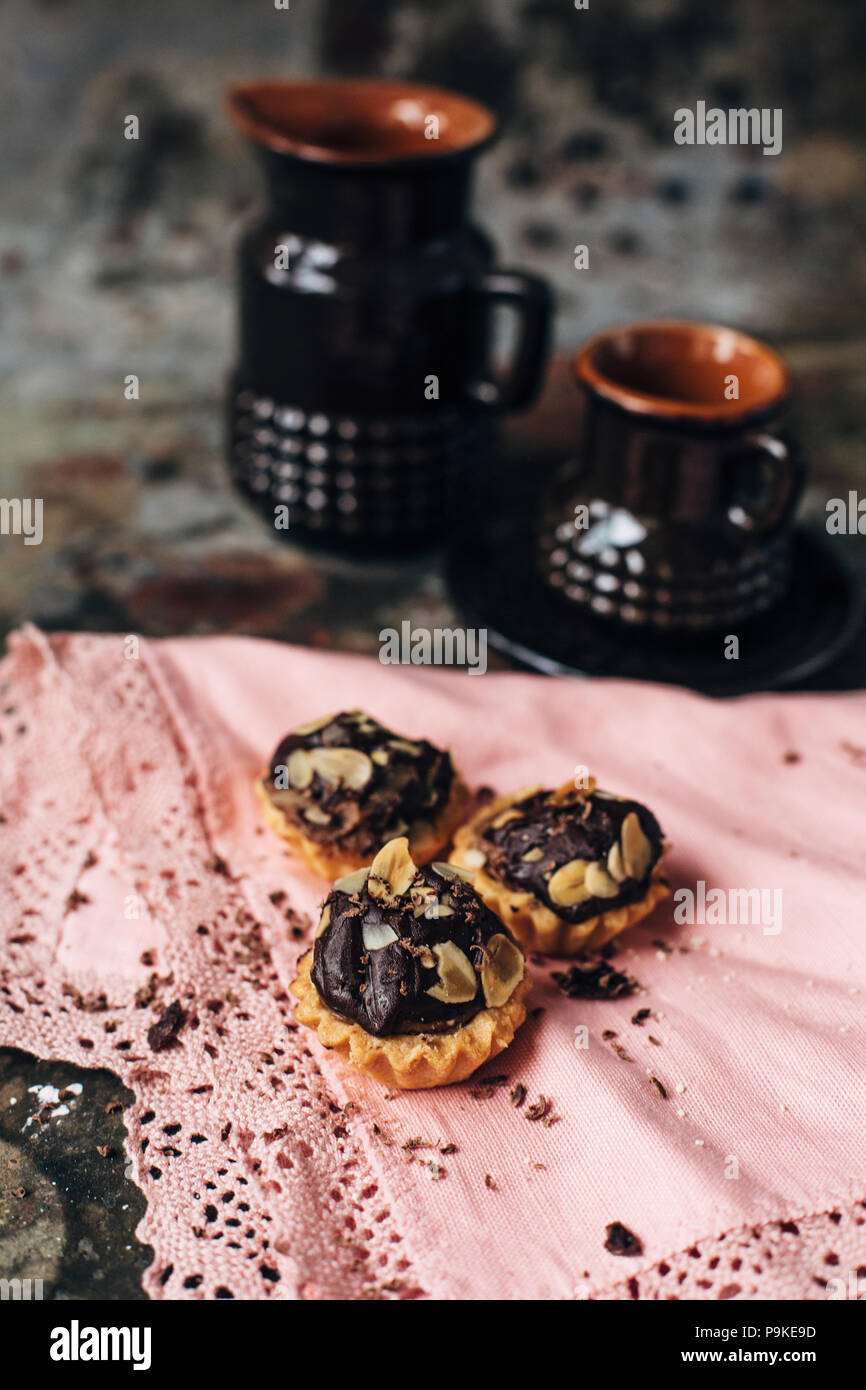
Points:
(366, 376)
(676, 513)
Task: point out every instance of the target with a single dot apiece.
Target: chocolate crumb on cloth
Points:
(619, 1240)
(339, 787)
(593, 977)
(566, 869)
(164, 1032)
(411, 978)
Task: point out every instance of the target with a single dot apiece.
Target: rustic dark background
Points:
(116, 256)
(111, 247)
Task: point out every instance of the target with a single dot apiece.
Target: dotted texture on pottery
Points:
(353, 477)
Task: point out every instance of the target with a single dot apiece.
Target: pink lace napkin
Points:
(724, 1129)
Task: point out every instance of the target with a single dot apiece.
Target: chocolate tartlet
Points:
(411, 977)
(339, 787)
(566, 869)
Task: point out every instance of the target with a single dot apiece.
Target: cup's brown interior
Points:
(358, 122)
(683, 368)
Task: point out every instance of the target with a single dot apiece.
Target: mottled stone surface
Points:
(68, 1212)
(113, 247)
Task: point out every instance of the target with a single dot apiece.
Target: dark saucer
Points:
(495, 581)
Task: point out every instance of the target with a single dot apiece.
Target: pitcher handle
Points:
(517, 383)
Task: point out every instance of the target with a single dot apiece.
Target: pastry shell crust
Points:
(535, 925)
(330, 861)
(412, 1061)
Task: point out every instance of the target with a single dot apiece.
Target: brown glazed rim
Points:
(284, 117)
(755, 398)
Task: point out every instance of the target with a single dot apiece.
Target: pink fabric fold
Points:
(755, 1035)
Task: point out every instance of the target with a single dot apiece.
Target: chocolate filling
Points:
(374, 964)
(552, 829)
(387, 787)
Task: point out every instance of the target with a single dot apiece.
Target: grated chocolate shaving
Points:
(619, 1240)
(594, 978)
(539, 1108)
(518, 1095)
(164, 1032)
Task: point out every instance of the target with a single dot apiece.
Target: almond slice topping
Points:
(347, 767)
(438, 909)
(423, 896)
(636, 848)
(392, 871)
(453, 871)
(566, 887)
(599, 883)
(615, 866)
(404, 745)
(457, 980)
(502, 970)
(314, 725)
(351, 883)
(375, 935)
(299, 768)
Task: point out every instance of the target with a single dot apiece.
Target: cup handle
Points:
(764, 498)
(515, 384)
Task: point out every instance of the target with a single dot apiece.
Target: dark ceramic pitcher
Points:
(366, 379)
